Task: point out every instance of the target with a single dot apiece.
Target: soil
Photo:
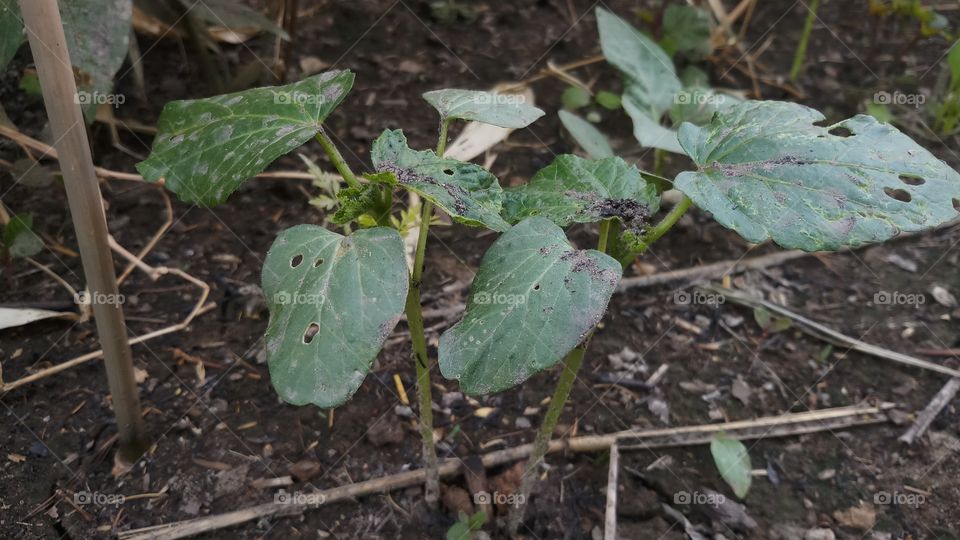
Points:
(217, 430)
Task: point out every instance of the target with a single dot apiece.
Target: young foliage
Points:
(503, 110)
(686, 30)
(206, 148)
(733, 463)
(533, 300)
(19, 240)
(589, 138)
(577, 190)
(768, 171)
(648, 71)
(333, 302)
(468, 192)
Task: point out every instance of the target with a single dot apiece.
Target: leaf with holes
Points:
(504, 110)
(333, 302)
(577, 190)
(767, 171)
(206, 148)
(650, 75)
(733, 463)
(589, 138)
(468, 192)
(533, 300)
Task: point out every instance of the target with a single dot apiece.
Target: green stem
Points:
(571, 365)
(338, 162)
(419, 343)
(800, 54)
(668, 221)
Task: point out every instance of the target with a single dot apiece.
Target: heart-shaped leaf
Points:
(589, 138)
(533, 300)
(11, 31)
(503, 110)
(468, 192)
(206, 148)
(577, 190)
(767, 171)
(333, 302)
(733, 463)
(650, 75)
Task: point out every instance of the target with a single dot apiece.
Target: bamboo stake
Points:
(49, 47)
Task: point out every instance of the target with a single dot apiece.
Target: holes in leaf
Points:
(536, 286)
(840, 131)
(448, 171)
(318, 262)
(898, 194)
(912, 180)
(296, 260)
(311, 332)
(956, 204)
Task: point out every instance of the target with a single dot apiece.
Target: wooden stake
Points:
(49, 47)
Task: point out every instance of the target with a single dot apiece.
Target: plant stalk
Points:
(418, 342)
(336, 157)
(800, 55)
(47, 41)
(669, 220)
(571, 365)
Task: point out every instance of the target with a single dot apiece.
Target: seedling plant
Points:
(768, 170)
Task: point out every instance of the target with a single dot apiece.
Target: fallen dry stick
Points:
(830, 335)
(713, 270)
(772, 426)
(610, 516)
(925, 418)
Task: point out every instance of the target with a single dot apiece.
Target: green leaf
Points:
(589, 138)
(608, 100)
(698, 105)
(766, 171)
(356, 202)
(651, 78)
(574, 97)
(504, 110)
(333, 302)
(19, 240)
(11, 31)
(234, 15)
(577, 190)
(648, 131)
(733, 463)
(686, 29)
(206, 148)
(98, 37)
(533, 300)
(769, 322)
(468, 192)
